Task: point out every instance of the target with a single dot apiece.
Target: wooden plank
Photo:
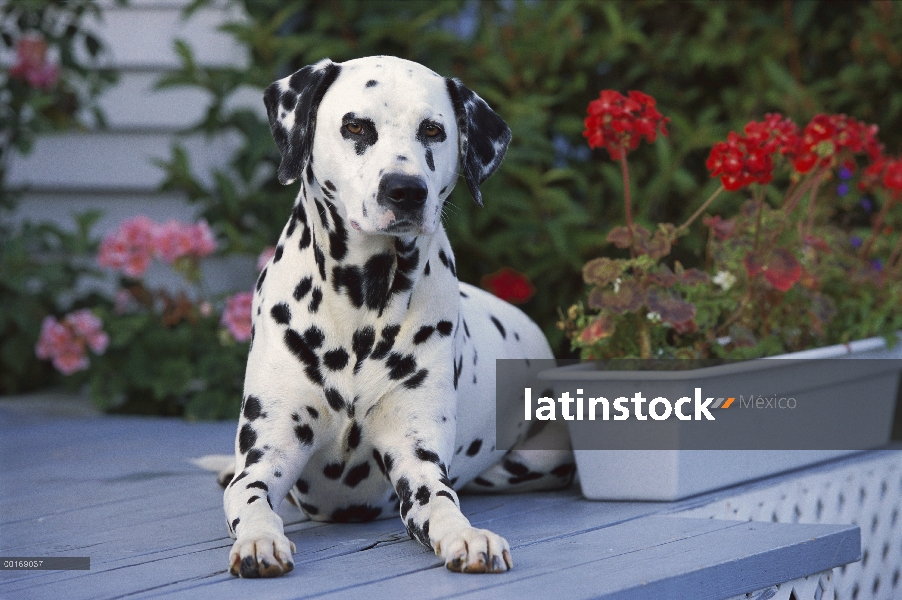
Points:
(135, 103)
(119, 490)
(109, 161)
(142, 36)
(60, 209)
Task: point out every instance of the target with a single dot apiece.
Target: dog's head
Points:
(387, 137)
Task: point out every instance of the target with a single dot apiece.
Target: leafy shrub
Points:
(712, 66)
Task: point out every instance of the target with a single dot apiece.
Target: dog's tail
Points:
(221, 464)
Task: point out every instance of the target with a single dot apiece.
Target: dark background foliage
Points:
(712, 66)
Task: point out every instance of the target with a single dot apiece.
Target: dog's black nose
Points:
(405, 192)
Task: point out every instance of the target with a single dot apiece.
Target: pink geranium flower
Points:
(31, 63)
(65, 342)
(130, 248)
(138, 241)
(237, 316)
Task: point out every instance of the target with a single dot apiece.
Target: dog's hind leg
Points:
(542, 461)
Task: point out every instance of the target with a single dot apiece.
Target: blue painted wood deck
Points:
(121, 491)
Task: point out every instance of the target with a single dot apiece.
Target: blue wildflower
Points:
(877, 264)
(845, 173)
(855, 241)
(842, 189)
(866, 204)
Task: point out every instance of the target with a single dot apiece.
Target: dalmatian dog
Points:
(370, 383)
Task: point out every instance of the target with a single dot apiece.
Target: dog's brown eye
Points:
(431, 130)
(354, 127)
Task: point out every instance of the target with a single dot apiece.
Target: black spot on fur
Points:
(354, 437)
(241, 476)
(252, 499)
(400, 366)
(445, 328)
(302, 485)
(423, 334)
(376, 278)
(516, 336)
(309, 508)
(361, 344)
(335, 400)
(259, 485)
(304, 434)
(260, 279)
(427, 269)
(564, 470)
(430, 162)
(405, 494)
(247, 437)
(299, 346)
(320, 261)
(338, 238)
(234, 523)
(316, 299)
(474, 448)
(349, 279)
(446, 495)
(314, 337)
(356, 513)
(389, 333)
(466, 329)
(303, 288)
(313, 412)
(499, 326)
(427, 455)
(253, 457)
(277, 256)
(416, 380)
(483, 482)
(321, 210)
(253, 409)
(329, 185)
(372, 83)
(295, 417)
(357, 474)
(447, 262)
(389, 462)
(458, 368)
(423, 495)
(305, 240)
(336, 359)
(378, 458)
(334, 470)
(281, 313)
(463, 295)
(443, 190)
(420, 534)
(514, 467)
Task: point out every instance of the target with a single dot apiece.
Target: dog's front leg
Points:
(271, 451)
(413, 449)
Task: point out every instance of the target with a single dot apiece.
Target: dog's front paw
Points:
(261, 556)
(473, 550)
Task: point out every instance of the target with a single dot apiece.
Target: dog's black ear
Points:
(291, 104)
(484, 136)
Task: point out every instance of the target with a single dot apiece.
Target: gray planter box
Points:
(673, 474)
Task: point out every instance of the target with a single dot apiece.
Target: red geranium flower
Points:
(826, 136)
(884, 171)
(510, 285)
(618, 123)
(747, 159)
